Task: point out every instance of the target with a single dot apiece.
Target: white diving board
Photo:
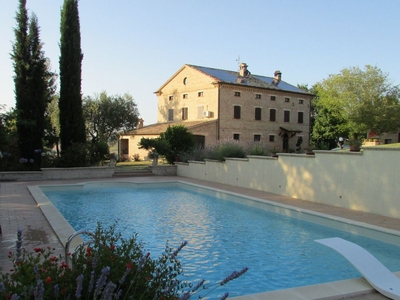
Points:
(384, 281)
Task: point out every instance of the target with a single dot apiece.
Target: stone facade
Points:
(239, 103)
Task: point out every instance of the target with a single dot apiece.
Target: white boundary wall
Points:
(366, 181)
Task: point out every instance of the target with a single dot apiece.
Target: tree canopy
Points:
(355, 102)
(175, 141)
(106, 116)
(72, 126)
(34, 84)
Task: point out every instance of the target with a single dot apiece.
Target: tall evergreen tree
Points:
(34, 84)
(72, 125)
(21, 58)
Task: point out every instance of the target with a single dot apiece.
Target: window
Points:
(124, 146)
(185, 96)
(184, 113)
(200, 94)
(300, 116)
(272, 115)
(287, 99)
(258, 96)
(236, 136)
(237, 94)
(236, 112)
(170, 98)
(170, 114)
(257, 137)
(257, 113)
(286, 116)
(273, 98)
(272, 138)
(301, 101)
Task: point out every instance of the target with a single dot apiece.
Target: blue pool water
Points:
(222, 235)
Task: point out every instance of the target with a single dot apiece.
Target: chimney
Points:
(243, 70)
(277, 77)
(140, 123)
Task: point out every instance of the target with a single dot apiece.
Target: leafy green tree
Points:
(34, 84)
(106, 116)
(356, 101)
(72, 125)
(175, 141)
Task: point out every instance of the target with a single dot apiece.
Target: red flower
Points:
(64, 265)
(69, 254)
(89, 251)
(38, 250)
(10, 254)
(48, 280)
(129, 266)
(148, 254)
(11, 270)
(53, 258)
(112, 247)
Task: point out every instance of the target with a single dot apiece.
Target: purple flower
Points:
(91, 283)
(122, 280)
(175, 253)
(14, 297)
(108, 291)
(224, 296)
(79, 281)
(234, 275)
(185, 296)
(56, 291)
(39, 290)
(2, 287)
(201, 282)
(102, 280)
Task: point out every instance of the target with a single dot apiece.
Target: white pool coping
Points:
(328, 291)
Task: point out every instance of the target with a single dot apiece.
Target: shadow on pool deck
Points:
(18, 209)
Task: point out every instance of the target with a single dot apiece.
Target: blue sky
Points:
(134, 46)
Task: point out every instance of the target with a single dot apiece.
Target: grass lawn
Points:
(394, 145)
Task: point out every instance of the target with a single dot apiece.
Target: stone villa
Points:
(219, 104)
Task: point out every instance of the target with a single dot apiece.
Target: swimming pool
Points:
(224, 233)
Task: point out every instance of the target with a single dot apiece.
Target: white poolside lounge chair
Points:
(371, 269)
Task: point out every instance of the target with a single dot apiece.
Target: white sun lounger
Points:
(372, 269)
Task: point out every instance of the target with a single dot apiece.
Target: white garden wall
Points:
(367, 181)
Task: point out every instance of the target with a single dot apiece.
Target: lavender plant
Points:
(112, 268)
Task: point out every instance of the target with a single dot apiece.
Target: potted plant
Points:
(354, 145)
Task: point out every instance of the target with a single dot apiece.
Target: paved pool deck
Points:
(18, 209)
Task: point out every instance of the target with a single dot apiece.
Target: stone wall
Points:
(365, 181)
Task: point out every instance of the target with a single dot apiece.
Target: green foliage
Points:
(227, 148)
(72, 125)
(107, 116)
(175, 141)
(77, 155)
(111, 267)
(354, 102)
(34, 83)
(257, 148)
(99, 152)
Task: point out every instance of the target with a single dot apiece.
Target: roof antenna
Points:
(238, 61)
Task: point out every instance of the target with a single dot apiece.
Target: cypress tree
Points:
(72, 126)
(34, 85)
(21, 58)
